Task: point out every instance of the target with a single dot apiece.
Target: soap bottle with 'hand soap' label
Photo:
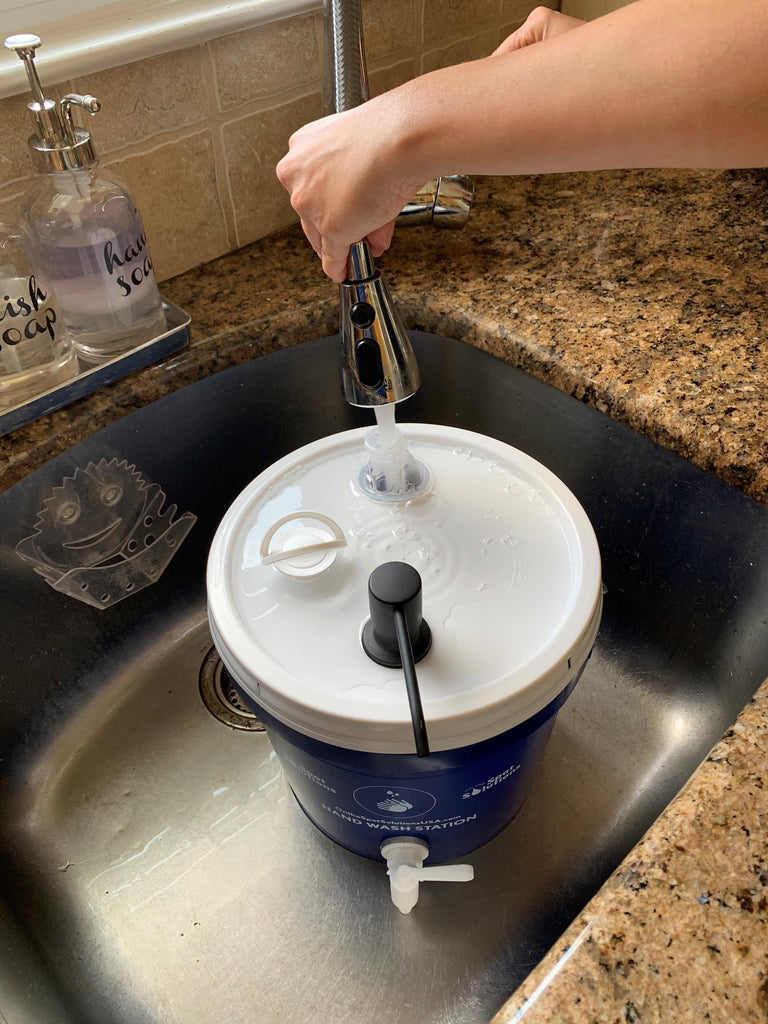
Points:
(35, 349)
(88, 235)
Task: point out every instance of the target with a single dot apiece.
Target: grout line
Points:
(231, 215)
(220, 161)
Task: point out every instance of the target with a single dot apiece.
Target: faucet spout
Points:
(378, 366)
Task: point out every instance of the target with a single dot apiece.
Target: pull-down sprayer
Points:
(377, 362)
(378, 366)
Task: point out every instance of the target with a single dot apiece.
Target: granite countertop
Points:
(645, 295)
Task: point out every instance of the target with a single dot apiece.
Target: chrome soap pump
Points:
(87, 233)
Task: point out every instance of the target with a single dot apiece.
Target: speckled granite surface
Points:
(644, 294)
(680, 931)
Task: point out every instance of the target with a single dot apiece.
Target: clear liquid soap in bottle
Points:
(35, 348)
(88, 235)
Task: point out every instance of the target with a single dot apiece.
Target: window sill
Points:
(119, 33)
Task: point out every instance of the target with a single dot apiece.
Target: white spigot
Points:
(405, 858)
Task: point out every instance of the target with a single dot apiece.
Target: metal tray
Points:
(89, 380)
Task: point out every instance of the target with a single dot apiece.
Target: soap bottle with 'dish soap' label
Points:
(35, 349)
(88, 236)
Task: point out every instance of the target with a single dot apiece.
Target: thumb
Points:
(381, 239)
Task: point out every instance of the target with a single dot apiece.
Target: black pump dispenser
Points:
(396, 635)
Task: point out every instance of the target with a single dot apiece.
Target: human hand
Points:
(347, 182)
(542, 23)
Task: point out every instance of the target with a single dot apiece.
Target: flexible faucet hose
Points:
(345, 55)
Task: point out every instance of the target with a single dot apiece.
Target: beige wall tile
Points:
(390, 27)
(445, 20)
(197, 133)
(518, 10)
(17, 125)
(589, 9)
(254, 144)
(266, 61)
(175, 187)
(473, 48)
(141, 100)
(386, 78)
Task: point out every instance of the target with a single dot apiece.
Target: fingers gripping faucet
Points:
(378, 366)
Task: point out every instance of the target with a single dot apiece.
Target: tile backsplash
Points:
(196, 134)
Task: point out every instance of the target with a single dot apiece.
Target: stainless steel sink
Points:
(154, 866)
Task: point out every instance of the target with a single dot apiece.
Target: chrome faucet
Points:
(444, 201)
(378, 366)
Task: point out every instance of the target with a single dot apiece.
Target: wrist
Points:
(407, 125)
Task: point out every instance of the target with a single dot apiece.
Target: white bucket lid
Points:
(511, 590)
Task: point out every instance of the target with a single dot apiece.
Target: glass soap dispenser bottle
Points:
(35, 349)
(88, 235)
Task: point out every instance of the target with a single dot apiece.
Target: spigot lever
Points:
(405, 857)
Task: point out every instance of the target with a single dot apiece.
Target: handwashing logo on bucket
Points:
(384, 800)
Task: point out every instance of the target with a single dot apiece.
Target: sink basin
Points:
(154, 866)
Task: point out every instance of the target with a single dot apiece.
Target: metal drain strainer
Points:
(221, 698)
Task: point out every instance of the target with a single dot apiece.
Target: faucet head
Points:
(378, 366)
(444, 202)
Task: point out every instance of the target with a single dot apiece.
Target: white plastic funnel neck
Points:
(405, 857)
(391, 472)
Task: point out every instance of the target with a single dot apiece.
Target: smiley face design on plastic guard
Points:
(103, 534)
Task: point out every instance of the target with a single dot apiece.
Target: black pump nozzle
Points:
(396, 635)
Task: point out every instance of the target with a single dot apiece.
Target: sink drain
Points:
(221, 698)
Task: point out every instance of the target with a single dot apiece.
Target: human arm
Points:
(658, 83)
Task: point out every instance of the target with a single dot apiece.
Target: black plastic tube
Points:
(411, 683)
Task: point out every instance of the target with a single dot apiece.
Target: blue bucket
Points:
(512, 593)
(456, 800)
